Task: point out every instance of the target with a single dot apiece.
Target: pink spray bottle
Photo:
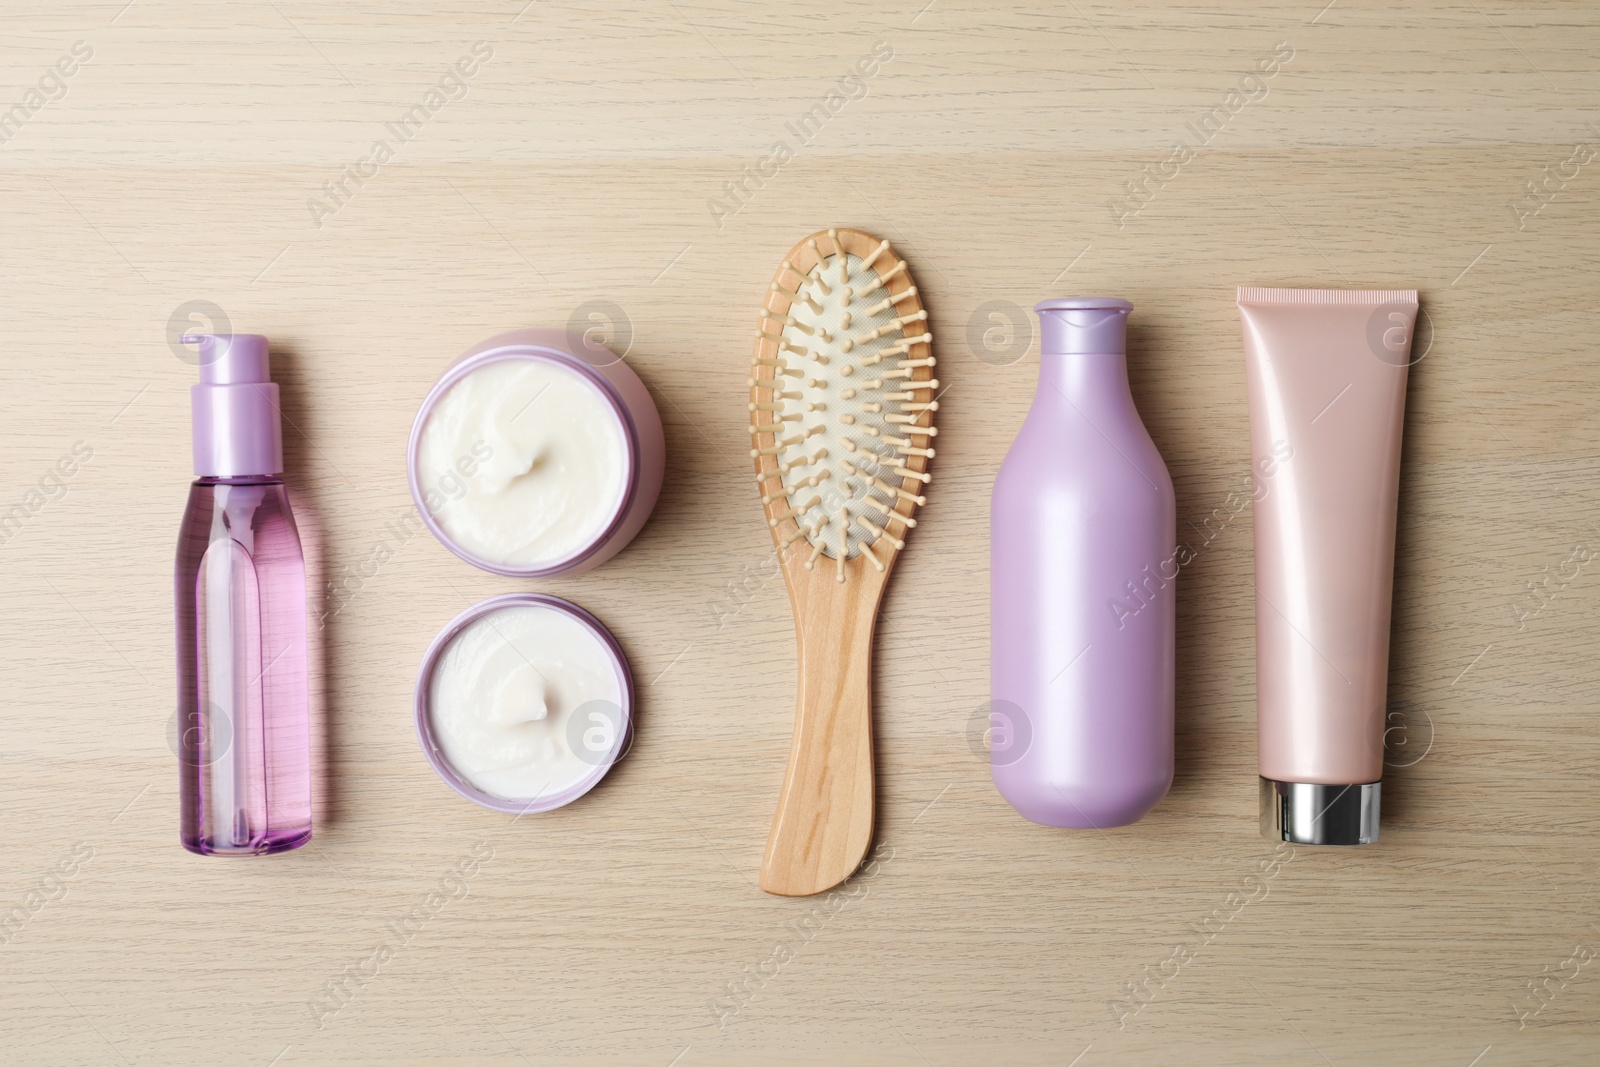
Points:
(1083, 587)
(243, 706)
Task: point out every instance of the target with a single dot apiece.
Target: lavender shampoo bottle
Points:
(243, 705)
(1082, 597)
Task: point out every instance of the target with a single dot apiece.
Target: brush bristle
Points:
(842, 397)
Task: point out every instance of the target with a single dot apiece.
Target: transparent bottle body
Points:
(243, 702)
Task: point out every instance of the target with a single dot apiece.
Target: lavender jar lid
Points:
(620, 390)
(601, 765)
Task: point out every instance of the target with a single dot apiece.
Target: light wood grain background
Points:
(573, 174)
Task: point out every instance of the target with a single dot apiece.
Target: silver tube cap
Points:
(1310, 813)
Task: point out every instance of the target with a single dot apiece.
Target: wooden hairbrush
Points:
(841, 403)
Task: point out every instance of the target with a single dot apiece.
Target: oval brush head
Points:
(841, 417)
(842, 401)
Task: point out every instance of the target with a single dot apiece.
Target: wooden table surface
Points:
(184, 174)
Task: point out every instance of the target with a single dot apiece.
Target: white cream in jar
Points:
(525, 702)
(526, 460)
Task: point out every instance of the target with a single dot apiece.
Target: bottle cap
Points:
(1083, 325)
(237, 427)
(1312, 813)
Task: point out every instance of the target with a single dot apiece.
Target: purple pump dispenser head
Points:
(1083, 325)
(237, 427)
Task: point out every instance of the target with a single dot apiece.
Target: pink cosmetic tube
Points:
(1327, 371)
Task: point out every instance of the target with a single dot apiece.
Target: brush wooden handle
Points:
(823, 824)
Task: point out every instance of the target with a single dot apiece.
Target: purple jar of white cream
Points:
(524, 702)
(528, 459)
